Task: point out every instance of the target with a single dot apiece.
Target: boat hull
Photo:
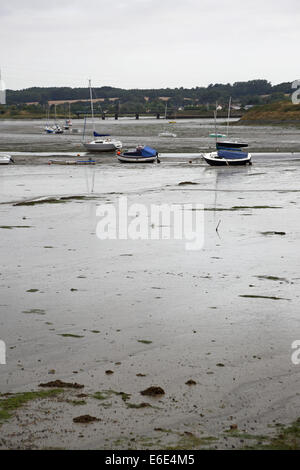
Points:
(102, 147)
(128, 159)
(71, 162)
(214, 160)
(5, 160)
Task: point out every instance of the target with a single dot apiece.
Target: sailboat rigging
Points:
(103, 144)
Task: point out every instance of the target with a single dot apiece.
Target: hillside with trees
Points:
(33, 102)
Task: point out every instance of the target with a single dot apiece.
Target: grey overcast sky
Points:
(147, 43)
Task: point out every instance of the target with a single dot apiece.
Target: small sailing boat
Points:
(68, 122)
(228, 152)
(102, 144)
(56, 128)
(142, 154)
(166, 133)
(48, 129)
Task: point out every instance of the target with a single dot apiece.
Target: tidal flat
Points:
(212, 328)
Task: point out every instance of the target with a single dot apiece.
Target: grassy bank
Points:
(282, 112)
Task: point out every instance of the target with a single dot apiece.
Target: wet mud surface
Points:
(212, 328)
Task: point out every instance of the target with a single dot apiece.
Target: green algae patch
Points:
(69, 335)
(187, 440)
(272, 233)
(35, 311)
(245, 435)
(190, 441)
(105, 394)
(287, 438)
(10, 227)
(76, 402)
(13, 402)
(249, 296)
(273, 278)
(237, 208)
(144, 341)
(139, 405)
(52, 200)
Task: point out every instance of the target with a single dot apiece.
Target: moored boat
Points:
(6, 159)
(167, 134)
(72, 162)
(227, 157)
(142, 154)
(228, 152)
(102, 144)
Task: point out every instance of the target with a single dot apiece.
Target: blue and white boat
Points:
(228, 153)
(142, 154)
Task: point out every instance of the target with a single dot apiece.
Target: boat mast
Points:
(215, 115)
(92, 106)
(229, 106)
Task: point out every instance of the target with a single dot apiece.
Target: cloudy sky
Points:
(147, 43)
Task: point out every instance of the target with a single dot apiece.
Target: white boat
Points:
(99, 144)
(68, 121)
(56, 128)
(167, 134)
(102, 145)
(5, 159)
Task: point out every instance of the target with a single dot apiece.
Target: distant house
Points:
(164, 98)
(248, 106)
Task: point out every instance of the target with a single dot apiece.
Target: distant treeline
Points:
(252, 92)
